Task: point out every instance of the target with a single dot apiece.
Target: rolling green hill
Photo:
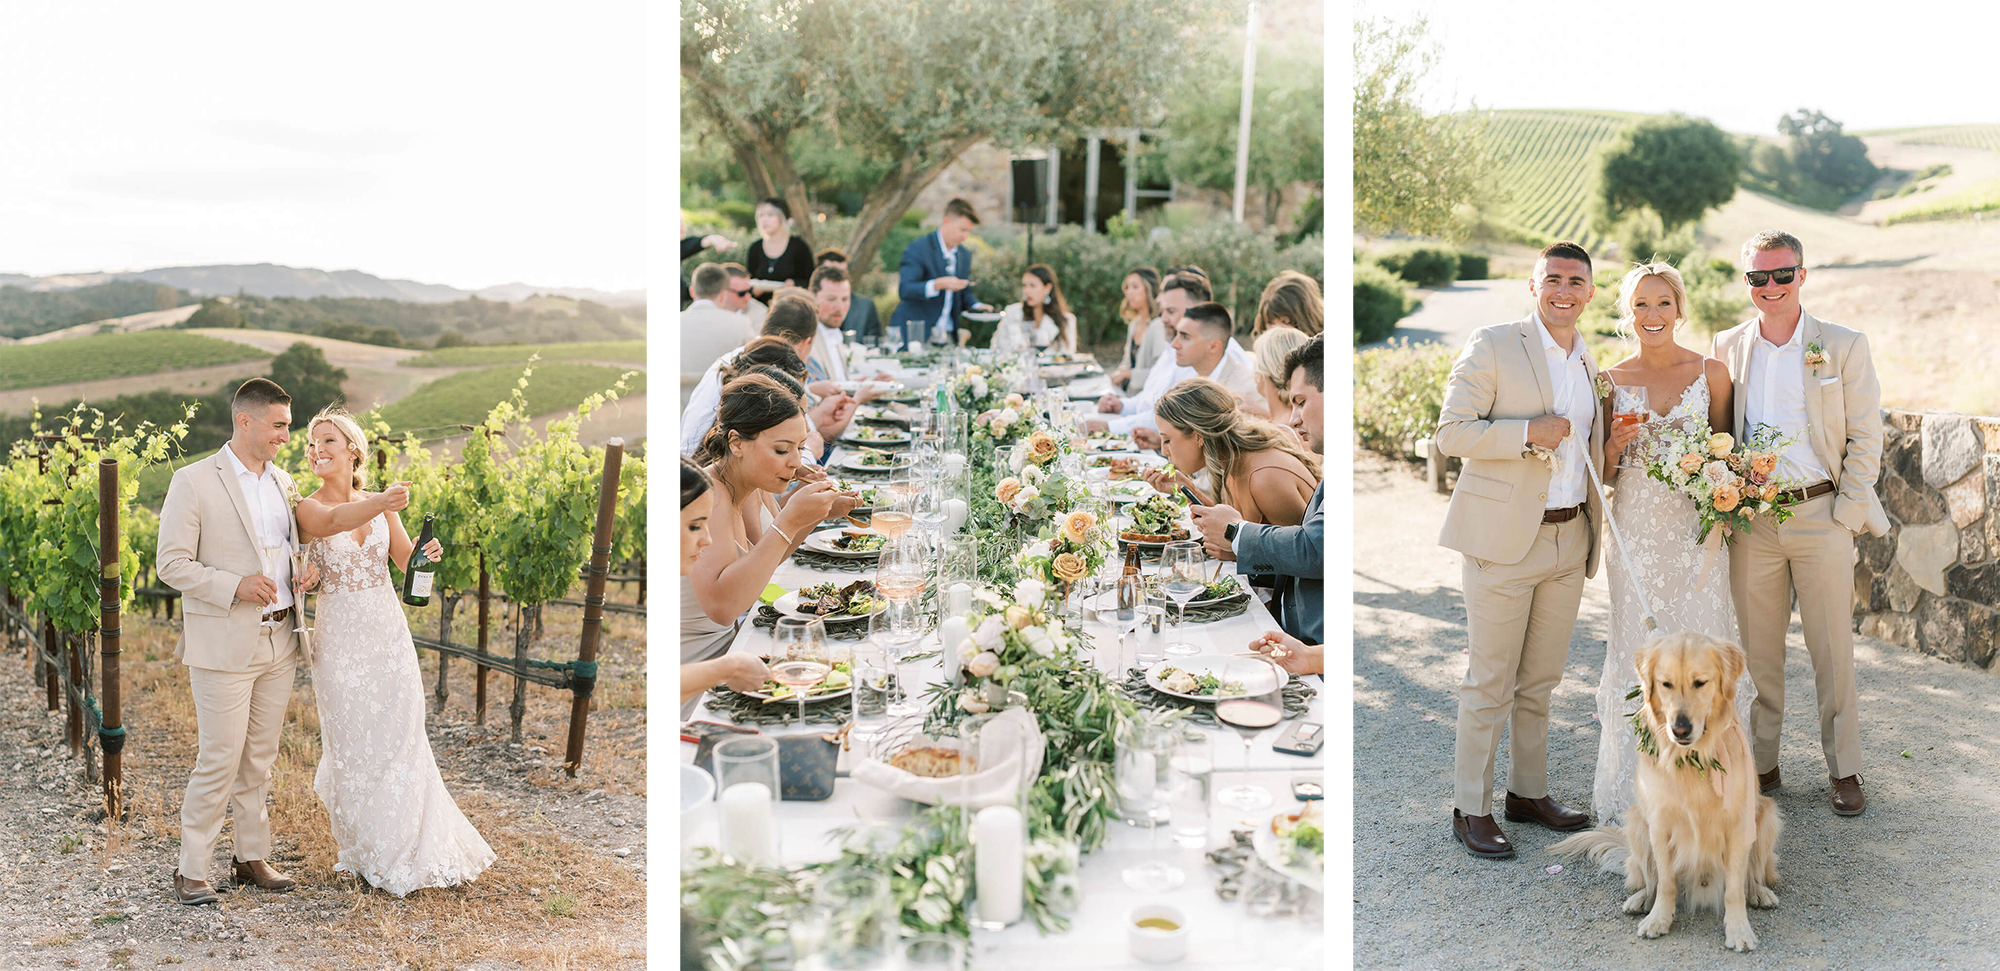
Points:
(25, 313)
(466, 398)
(1544, 176)
(1980, 198)
(115, 356)
(1953, 136)
(631, 352)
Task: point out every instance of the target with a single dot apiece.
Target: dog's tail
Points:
(1604, 845)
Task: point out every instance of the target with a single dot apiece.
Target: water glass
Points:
(1194, 764)
(933, 952)
(874, 682)
(1145, 784)
(850, 924)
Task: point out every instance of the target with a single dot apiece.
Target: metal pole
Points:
(111, 734)
(1243, 122)
(1131, 162)
(1055, 169)
(584, 681)
(1090, 164)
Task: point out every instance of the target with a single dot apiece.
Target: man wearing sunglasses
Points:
(713, 325)
(1813, 381)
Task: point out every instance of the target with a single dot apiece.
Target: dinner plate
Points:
(1271, 850)
(880, 414)
(884, 438)
(822, 542)
(1198, 664)
(811, 696)
(788, 606)
(1105, 446)
(982, 316)
(1123, 490)
(1212, 601)
(857, 387)
(853, 464)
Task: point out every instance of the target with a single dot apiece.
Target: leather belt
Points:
(1560, 515)
(277, 616)
(1809, 492)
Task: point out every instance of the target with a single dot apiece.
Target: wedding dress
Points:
(1659, 527)
(396, 825)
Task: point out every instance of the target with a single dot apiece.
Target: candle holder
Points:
(746, 775)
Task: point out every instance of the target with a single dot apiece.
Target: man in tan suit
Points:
(227, 538)
(1814, 382)
(1527, 521)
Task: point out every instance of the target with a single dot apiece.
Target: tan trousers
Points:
(239, 715)
(1519, 617)
(1813, 555)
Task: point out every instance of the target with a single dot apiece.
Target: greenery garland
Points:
(1650, 747)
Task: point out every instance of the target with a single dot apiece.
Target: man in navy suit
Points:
(936, 277)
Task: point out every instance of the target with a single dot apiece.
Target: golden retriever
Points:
(1697, 822)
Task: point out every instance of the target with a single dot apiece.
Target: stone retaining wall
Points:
(1933, 583)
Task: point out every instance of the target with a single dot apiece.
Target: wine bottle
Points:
(417, 579)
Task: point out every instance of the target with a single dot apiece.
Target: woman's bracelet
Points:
(788, 540)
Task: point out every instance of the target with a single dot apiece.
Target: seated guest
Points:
(691, 245)
(1253, 465)
(1041, 320)
(711, 326)
(863, 320)
(705, 661)
(1145, 330)
(934, 281)
(779, 259)
(753, 455)
(737, 296)
(1292, 552)
(1273, 348)
(831, 295)
(1292, 300)
(793, 319)
(1203, 348)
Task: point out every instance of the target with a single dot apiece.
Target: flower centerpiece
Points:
(986, 388)
(1036, 496)
(1075, 549)
(1007, 638)
(1730, 482)
(998, 426)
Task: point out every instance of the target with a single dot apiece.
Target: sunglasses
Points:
(1781, 276)
(746, 290)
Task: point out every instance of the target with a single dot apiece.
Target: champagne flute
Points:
(800, 656)
(1260, 705)
(1183, 561)
(1629, 407)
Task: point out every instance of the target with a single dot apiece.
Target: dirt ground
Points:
(568, 889)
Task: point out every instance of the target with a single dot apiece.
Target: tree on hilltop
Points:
(1677, 167)
(1411, 169)
(1820, 151)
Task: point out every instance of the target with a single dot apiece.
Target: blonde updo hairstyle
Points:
(1630, 284)
(1207, 410)
(357, 442)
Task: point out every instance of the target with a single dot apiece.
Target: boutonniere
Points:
(1815, 357)
(291, 494)
(1603, 386)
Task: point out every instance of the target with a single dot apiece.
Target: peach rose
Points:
(1690, 463)
(1076, 526)
(1720, 443)
(983, 664)
(1763, 463)
(1726, 497)
(1070, 567)
(1041, 448)
(1018, 617)
(1007, 489)
(1014, 400)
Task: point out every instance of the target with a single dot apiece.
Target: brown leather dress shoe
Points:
(1545, 812)
(260, 873)
(1847, 799)
(1481, 836)
(1767, 782)
(193, 892)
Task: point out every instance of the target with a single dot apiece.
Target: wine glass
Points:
(1629, 407)
(1146, 782)
(894, 512)
(1184, 580)
(800, 656)
(900, 574)
(1258, 706)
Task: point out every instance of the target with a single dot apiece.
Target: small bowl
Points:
(697, 786)
(1151, 944)
(698, 818)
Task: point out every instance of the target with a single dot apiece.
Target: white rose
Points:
(1027, 495)
(979, 388)
(1008, 415)
(1032, 474)
(1030, 591)
(1715, 472)
(990, 632)
(1039, 641)
(971, 702)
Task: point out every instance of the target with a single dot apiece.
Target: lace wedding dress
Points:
(393, 820)
(1659, 527)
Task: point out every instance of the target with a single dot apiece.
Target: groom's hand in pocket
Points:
(1548, 431)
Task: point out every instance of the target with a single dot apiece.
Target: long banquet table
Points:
(1222, 933)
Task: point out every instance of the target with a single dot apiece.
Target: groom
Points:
(1527, 522)
(226, 537)
(1813, 381)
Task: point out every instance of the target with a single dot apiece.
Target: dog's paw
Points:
(1761, 897)
(1655, 925)
(1639, 902)
(1737, 935)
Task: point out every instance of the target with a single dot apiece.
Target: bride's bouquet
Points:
(1730, 482)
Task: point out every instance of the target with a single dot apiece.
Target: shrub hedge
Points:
(1398, 393)
(1380, 300)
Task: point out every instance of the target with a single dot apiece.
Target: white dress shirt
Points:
(1777, 397)
(827, 362)
(272, 518)
(1575, 400)
(1236, 371)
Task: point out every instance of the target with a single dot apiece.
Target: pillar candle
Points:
(748, 832)
(954, 463)
(998, 859)
(953, 633)
(959, 599)
(955, 511)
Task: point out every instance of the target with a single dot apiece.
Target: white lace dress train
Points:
(1658, 526)
(396, 825)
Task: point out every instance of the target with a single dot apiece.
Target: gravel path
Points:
(1450, 314)
(1907, 885)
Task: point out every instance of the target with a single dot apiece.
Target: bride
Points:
(1687, 587)
(395, 824)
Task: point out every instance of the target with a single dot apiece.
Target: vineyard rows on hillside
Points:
(1544, 174)
(115, 356)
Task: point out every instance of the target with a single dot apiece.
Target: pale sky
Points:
(1740, 65)
(464, 144)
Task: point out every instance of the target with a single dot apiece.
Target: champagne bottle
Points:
(417, 579)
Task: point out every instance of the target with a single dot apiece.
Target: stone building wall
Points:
(1933, 583)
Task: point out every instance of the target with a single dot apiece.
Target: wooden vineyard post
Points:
(583, 679)
(48, 655)
(479, 686)
(73, 732)
(517, 710)
(111, 731)
(444, 657)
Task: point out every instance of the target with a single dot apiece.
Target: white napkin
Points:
(1010, 755)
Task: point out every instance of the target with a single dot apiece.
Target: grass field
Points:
(466, 398)
(1544, 174)
(631, 352)
(1978, 199)
(1953, 136)
(115, 356)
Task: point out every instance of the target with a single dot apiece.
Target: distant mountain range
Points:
(273, 280)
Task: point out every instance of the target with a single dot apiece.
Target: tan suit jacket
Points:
(1499, 383)
(1843, 413)
(207, 546)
